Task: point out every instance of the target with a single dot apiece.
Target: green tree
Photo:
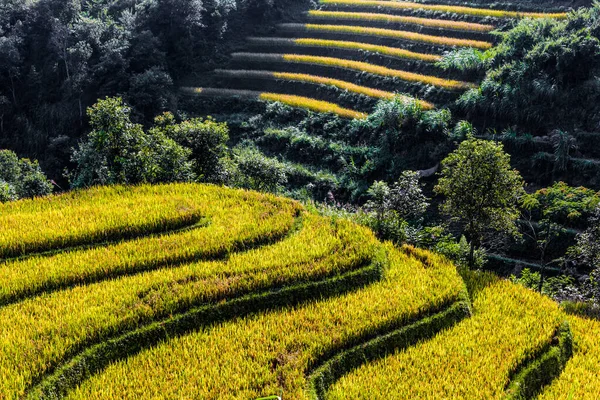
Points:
(481, 190)
(543, 233)
(254, 170)
(119, 151)
(21, 178)
(207, 140)
(393, 208)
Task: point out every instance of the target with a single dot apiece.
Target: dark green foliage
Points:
(254, 170)
(391, 210)
(21, 178)
(119, 151)
(58, 57)
(563, 204)
(207, 140)
(481, 189)
(543, 75)
(588, 243)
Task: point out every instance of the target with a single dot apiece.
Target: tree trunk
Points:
(542, 272)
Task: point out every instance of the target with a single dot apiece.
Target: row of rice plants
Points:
(474, 360)
(99, 214)
(271, 353)
(388, 33)
(406, 5)
(290, 100)
(348, 45)
(401, 19)
(288, 76)
(321, 80)
(237, 219)
(313, 105)
(579, 380)
(39, 333)
(356, 66)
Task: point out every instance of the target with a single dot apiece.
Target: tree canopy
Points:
(481, 189)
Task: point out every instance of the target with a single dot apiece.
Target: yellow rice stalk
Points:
(385, 50)
(235, 218)
(428, 22)
(40, 332)
(404, 35)
(259, 355)
(580, 378)
(351, 87)
(312, 104)
(378, 70)
(478, 12)
(473, 360)
(88, 216)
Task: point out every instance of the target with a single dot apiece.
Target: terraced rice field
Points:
(390, 41)
(218, 293)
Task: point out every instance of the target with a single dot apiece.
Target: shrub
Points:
(119, 151)
(21, 178)
(254, 170)
(207, 140)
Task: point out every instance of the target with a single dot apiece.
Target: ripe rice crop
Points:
(259, 355)
(391, 33)
(579, 380)
(290, 100)
(86, 217)
(307, 78)
(473, 360)
(428, 22)
(236, 219)
(313, 105)
(478, 12)
(348, 86)
(341, 44)
(375, 69)
(39, 333)
(254, 74)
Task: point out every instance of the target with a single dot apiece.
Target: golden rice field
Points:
(395, 34)
(377, 70)
(255, 296)
(348, 45)
(473, 360)
(290, 100)
(313, 105)
(406, 5)
(580, 378)
(321, 80)
(401, 19)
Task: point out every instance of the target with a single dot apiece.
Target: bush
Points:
(119, 151)
(207, 140)
(254, 170)
(21, 178)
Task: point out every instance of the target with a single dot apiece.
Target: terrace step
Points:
(387, 33)
(400, 19)
(355, 66)
(315, 80)
(290, 100)
(443, 8)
